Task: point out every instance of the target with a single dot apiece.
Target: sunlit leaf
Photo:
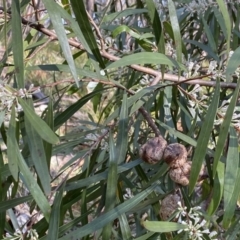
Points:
(17, 44)
(232, 179)
(62, 37)
(12, 145)
(202, 142)
(55, 215)
(155, 226)
(145, 58)
(37, 152)
(38, 124)
(233, 64)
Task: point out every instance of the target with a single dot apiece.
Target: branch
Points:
(146, 70)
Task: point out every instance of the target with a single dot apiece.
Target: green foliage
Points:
(131, 71)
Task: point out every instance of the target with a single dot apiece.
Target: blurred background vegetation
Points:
(94, 97)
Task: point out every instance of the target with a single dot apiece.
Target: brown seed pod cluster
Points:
(175, 155)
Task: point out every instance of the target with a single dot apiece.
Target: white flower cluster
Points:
(196, 224)
(18, 235)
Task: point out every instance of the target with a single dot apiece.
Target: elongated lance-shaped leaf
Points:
(2, 115)
(203, 139)
(84, 24)
(74, 25)
(55, 215)
(17, 43)
(209, 34)
(105, 218)
(146, 58)
(176, 29)
(62, 36)
(12, 145)
(225, 126)
(233, 64)
(2, 197)
(32, 185)
(126, 12)
(205, 48)
(158, 226)
(14, 202)
(38, 124)
(125, 228)
(65, 68)
(217, 189)
(122, 137)
(227, 22)
(100, 176)
(232, 179)
(111, 185)
(65, 115)
(167, 112)
(156, 24)
(37, 152)
(50, 122)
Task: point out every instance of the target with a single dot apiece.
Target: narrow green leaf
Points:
(125, 228)
(84, 24)
(101, 176)
(232, 179)
(57, 22)
(132, 32)
(74, 26)
(5, 205)
(224, 127)
(12, 145)
(217, 188)
(145, 236)
(65, 115)
(167, 110)
(50, 122)
(17, 43)
(38, 124)
(205, 48)
(176, 29)
(233, 64)
(156, 24)
(203, 139)
(55, 215)
(65, 68)
(145, 58)
(209, 34)
(178, 134)
(227, 22)
(4, 171)
(37, 153)
(220, 20)
(122, 137)
(233, 231)
(124, 13)
(158, 226)
(32, 186)
(111, 190)
(2, 115)
(105, 218)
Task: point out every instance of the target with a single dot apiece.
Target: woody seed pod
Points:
(181, 175)
(152, 151)
(175, 155)
(168, 205)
